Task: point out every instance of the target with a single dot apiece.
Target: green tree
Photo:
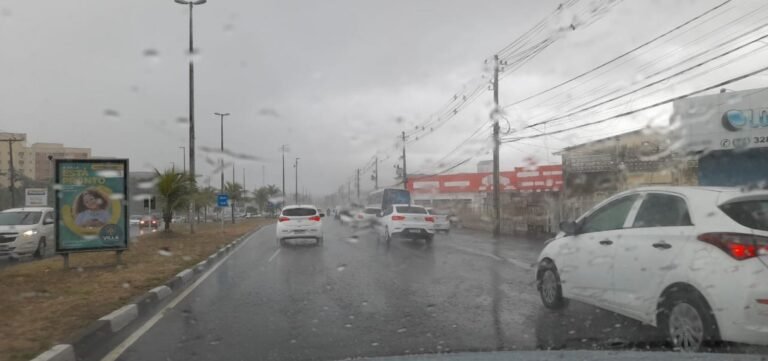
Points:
(174, 191)
(204, 198)
(263, 194)
(235, 192)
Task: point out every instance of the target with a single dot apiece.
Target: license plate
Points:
(299, 231)
(413, 231)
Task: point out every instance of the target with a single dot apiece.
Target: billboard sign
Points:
(542, 178)
(35, 197)
(725, 121)
(91, 205)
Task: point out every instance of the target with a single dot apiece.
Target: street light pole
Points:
(184, 157)
(221, 116)
(284, 148)
(296, 192)
(191, 4)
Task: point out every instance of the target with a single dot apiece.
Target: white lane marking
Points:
(117, 351)
(513, 261)
(274, 255)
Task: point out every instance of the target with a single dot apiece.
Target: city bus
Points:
(386, 197)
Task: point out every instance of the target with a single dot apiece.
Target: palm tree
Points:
(205, 198)
(262, 195)
(235, 192)
(174, 190)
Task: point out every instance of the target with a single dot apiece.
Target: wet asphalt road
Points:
(354, 296)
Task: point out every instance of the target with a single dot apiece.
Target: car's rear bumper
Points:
(413, 233)
(740, 304)
(291, 233)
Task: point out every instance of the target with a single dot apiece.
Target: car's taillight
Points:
(740, 246)
(315, 218)
(429, 219)
(283, 219)
(398, 218)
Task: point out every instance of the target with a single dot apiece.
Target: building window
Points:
(21, 162)
(21, 154)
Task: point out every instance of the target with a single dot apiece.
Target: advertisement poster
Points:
(91, 207)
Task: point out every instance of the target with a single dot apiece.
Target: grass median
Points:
(42, 304)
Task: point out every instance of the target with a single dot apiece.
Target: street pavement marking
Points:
(274, 255)
(136, 335)
(515, 262)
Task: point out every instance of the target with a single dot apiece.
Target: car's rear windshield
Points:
(299, 212)
(413, 210)
(19, 218)
(752, 214)
(371, 211)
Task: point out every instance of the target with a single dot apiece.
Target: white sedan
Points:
(300, 222)
(692, 261)
(406, 221)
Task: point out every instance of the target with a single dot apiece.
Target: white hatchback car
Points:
(692, 261)
(26, 231)
(442, 221)
(406, 221)
(300, 221)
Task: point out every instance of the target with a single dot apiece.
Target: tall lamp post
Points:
(296, 193)
(221, 116)
(191, 4)
(184, 157)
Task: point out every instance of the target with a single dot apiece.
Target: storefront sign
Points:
(725, 121)
(91, 206)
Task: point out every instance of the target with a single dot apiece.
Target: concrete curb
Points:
(97, 333)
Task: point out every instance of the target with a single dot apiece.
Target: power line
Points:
(621, 56)
(718, 85)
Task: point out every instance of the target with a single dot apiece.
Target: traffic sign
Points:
(222, 200)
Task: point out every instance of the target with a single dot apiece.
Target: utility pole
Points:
(221, 160)
(496, 143)
(184, 157)
(358, 185)
(405, 172)
(231, 196)
(243, 179)
(11, 171)
(376, 173)
(296, 189)
(191, 4)
(283, 148)
(263, 176)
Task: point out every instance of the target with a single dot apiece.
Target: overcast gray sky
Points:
(329, 78)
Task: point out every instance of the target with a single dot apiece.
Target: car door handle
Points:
(606, 242)
(662, 245)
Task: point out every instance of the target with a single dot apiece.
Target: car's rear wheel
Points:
(41, 248)
(320, 241)
(550, 287)
(687, 320)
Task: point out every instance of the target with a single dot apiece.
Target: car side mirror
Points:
(47, 222)
(569, 227)
(322, 215)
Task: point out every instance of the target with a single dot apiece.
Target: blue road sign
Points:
(222, 200)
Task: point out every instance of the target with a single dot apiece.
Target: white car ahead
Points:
(442, 223)
(367, 217)
(406, 221)
(692, 261)
(300, 222)
(26, 231)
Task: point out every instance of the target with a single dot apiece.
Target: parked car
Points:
(406, 221)
(367, 217)
(300, 221)
(26, 231)
(148, 221)
(692, 261)
(442, 221)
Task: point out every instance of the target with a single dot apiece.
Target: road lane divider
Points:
(273, 255)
